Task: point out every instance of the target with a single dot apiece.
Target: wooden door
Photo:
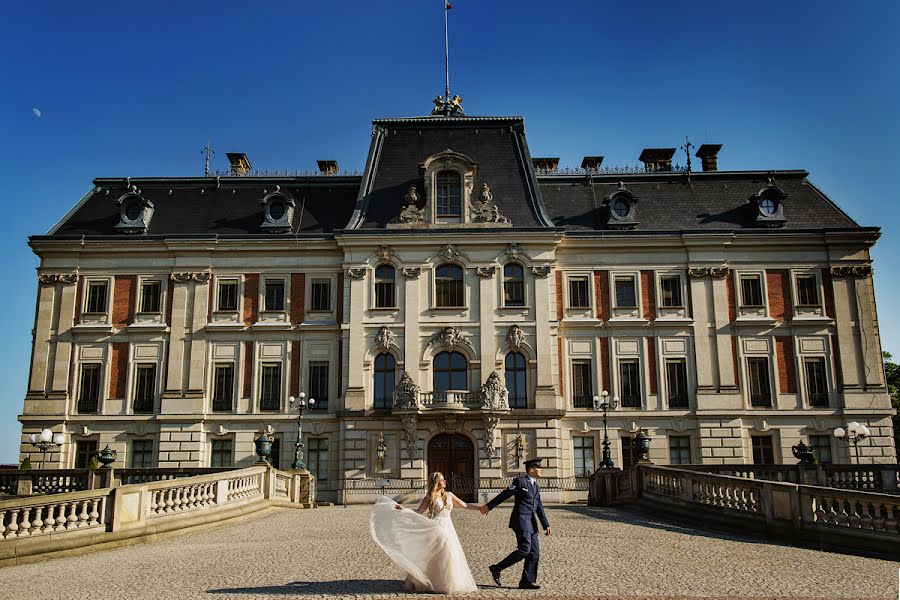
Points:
(454, 456)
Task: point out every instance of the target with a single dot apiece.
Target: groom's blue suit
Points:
(526, 513)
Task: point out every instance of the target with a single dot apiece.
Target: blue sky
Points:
(136, 89)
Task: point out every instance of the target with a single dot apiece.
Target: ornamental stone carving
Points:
(199, 277)
(513, 251)
(203, 277)
(494, 395)
(412, 272)
(448, 251)
(483, 209)
(410, 424)
(63, 278)
(853, 271)
(406, 393)
(714, 272)
(384, 253)
(411, 212)
(451, 423)
(541, 271)
(515, 336)
(486, 271)
(490, 426)
(384, 338)
(451, 337)
(181, 277)
(357, 272)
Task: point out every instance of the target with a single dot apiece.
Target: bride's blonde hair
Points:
(432, 493)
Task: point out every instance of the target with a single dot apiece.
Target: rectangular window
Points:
(676, 383)
(221, 454)
(144, 388)
(758, 373)
(816, 383)
(579, 292)
(630, 383)
(321, 295)
(626, 294)
(151, 292)
(275, 454)
(514, 292)
(679, 449)
(763, 450)
(228, 295)
(84, 451)
(821, 447)
(629, 452)
(142, 454)
(751, 290)
(317, 457)
(270, 394)
(223, 387)
(318, 384)
(670, 291)
(807, 290)
(584, 455)
(274, 294)
(582, 384)
(384, 294)
(96, 297)
(89, 393)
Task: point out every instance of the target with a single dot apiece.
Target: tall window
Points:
(84, 451)
(321, 295)
(318, 384)
(584, 455)
(151, 291)
(821, 447)
(679, 449)
(317, 457)
(513, 285)
(807, 290)
(385, 289)
(448, 286)
(676, 383)
(144, 388)
(582, 384)
(515, 380)
(626, 291)
(96, 297)
(275, 454)
(142, 454)
(89, 392)
(758, 373)
(221, 454)
(450, 372)
(670, 291)
(385, 372)
(228, 294)
(223, 387)
(629, 452)
(763, 450)
(816, 384)
(579, 292)
(630, 383)
(449, 203)
(270, 394)
(274, 294)
(751, 290)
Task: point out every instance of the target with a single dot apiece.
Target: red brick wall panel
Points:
(79, 290)
(118, 370)
(123, 300)
(295, 368)
(734, 361)
(340, 368)
(784, 355)
(729, 291)
(298, 297)
(601, 285)
(651, 365)
(604, 363)
(778, 284)
(838, 373)
(210, 300)
(828, 284)
(559, 297)
(648, 295)
(562, 365)
(251, 298)
(248, 369)
(170, 295)
(340, 298)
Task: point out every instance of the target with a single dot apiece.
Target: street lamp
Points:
(602, 402)
(302, 404)
(854, 434)
(44, 441)
(381, 449)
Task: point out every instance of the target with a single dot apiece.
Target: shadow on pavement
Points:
(343, 587)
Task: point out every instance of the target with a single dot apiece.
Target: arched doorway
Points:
(454, 455)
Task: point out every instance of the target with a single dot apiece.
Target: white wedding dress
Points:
(428, 550)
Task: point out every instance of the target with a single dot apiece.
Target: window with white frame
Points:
(582, 384)
(583, 447)
(816, 381)
(318, 384)
(758, 376)
(385, 374)
(751, 290)
(513, 285)
(821, 447)
(515, 374)
(449, 194)
(223, 387)
(151, 296)
(96, 296)
(227, 296)
(676, 382)
(221, 453)
(679, 449)
(449, 288)
(270, 388)
(579, 292)
(629, 383)
(274, 295)
(89, 389)
(385, 287)
(320, 295)
(807, 289)
(144, 388)
(670, 291)
(142, 454)
(626, 291)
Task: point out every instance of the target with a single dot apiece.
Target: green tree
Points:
(892, 375)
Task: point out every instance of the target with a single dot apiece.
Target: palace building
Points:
(457, 307)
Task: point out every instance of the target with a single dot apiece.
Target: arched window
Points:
(449, 202)
(448, 286)
(385, 372)
(450, 372)
(384, 287)
(515, 380)
(513, 285)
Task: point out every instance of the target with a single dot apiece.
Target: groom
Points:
(526, 513)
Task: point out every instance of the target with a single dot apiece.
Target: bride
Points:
(423, 542)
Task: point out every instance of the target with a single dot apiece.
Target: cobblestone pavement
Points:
(327, 553)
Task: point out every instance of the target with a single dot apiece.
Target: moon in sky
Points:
(36, 112)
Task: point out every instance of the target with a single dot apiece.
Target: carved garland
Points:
(852, 271)
(412, 272)
(490, 426)
(63, 278)
(357, 272)
(542, 270)
(199, 277)
(486, 272)
(714, 272)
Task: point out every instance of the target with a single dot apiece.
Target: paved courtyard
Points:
(327, 553)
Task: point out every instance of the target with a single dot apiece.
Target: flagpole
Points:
(446, 50)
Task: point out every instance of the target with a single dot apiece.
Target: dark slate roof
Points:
(496, 144)
(669, 202)
(231, 206)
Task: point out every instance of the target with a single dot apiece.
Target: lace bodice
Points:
(441, 510)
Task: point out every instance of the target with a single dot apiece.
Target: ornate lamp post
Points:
(301, 404)
(44, 441)
(381, 449)
(854, 434)
(602, 402)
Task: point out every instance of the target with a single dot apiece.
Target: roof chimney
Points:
(327, 167)
(591, 163)
(547, 165)
(657, 159)
(708, 154)
(240, 164)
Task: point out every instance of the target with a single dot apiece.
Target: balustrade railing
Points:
(460, 398)
(82, 510)
(875, 477)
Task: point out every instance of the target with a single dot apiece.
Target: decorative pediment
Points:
(451, 337)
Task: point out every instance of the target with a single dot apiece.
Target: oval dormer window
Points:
(133, 210)
(621, 207)
(277, 210)
(768, 206)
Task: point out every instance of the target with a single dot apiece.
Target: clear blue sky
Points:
(136, 89)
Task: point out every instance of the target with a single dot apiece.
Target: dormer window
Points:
(449, 195)
(278, 212)
(769, 206)
(621, 206)
(135, 213)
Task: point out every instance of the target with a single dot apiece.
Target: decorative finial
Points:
(688, 146)
(209, 152)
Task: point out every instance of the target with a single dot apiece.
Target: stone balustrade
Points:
(875, 477)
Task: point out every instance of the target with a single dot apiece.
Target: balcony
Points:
(493, 396)
(449, 399)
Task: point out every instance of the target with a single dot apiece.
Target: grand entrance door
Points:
(454, 456)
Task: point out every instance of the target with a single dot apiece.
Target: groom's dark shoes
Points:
(529, 586)
(495, 573)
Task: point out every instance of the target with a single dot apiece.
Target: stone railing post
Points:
(129, 507)
(268, 482)
(101, 478)
(24, 487)
(889, 478)
(808, 474)
(687, 486)
(222, 492)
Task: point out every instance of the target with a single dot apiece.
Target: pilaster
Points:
(545, 395)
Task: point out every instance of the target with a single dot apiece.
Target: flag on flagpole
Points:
(447, 5)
